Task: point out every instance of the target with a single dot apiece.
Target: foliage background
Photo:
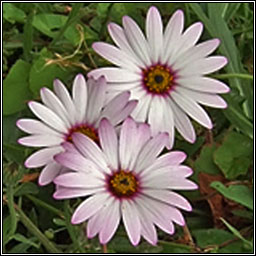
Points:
(44, 41)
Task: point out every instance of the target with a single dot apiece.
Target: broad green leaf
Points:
(43, 75)
(15, 88)
(49, 23)
(13, 14)
(102, 9)
(206, 237)
(24, 240)
(204, 163)
(236, 233)
(234, 156)
(238, 193)
(26, 188)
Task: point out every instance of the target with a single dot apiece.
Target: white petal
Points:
(48, 116)
(91, 151)
(127, 134)
(89, 207)
(80, 97)
(32, 126)
(150, 151)
(136, 39)
(188, 39)
(63, 94)
(169, 197)
(117, 75)
(131, 221)
(148, 230)
(41, 140)
(52, 102)
(109, 143)
(78, 163)
(192, 109)
(154, 29)
(157, 212)
(142, 135)
(208, 99)
(140, 113)
(172, 34)
(204, 66)
(68, 193)
(194, 53)
(78, 180)
(118, 36)
(97, 221)
(96, 99)
(112, 219)
(116, 56)
(42, 157)
(169, 159)
(203, 84)
(182, 123)
(48, 174)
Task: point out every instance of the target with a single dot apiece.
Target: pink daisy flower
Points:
(125, 179)
(61, 115)
(165, 71)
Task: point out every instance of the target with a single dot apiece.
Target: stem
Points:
(10, 203)
(36, 232)
(188, 236)
(105, 248)
(45, 205)
(233, 75)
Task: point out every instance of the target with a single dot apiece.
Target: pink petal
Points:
(48, 174)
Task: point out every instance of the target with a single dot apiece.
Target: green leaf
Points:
(217, 27)
(238, 193)
(234, 156)
(49, 23)
(231, 11)
(204, 163)
(170, 247)
(59, 222)
(6, 229)
(237, 233)
(15, 88)
(13, 14)
(24, 240)
(236, 116)
(42, 75)
(206, 237)
(28, 36)
(26, 188)
(102, 9)
(72, 18)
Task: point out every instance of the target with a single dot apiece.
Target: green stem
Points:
(234, 75)
(10, 203)
(45, 205)
(70, 228)
(36, 232)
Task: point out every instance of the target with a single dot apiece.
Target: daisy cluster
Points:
(104, 141)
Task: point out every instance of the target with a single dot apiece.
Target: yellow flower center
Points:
(158, 79)
(84, 129)
(123, 184)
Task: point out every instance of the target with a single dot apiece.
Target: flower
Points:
(124, 179)
(62, 115)
(164, 71)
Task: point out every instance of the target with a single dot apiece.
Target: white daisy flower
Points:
(164, 71)
(60, 116)
(125, 179)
